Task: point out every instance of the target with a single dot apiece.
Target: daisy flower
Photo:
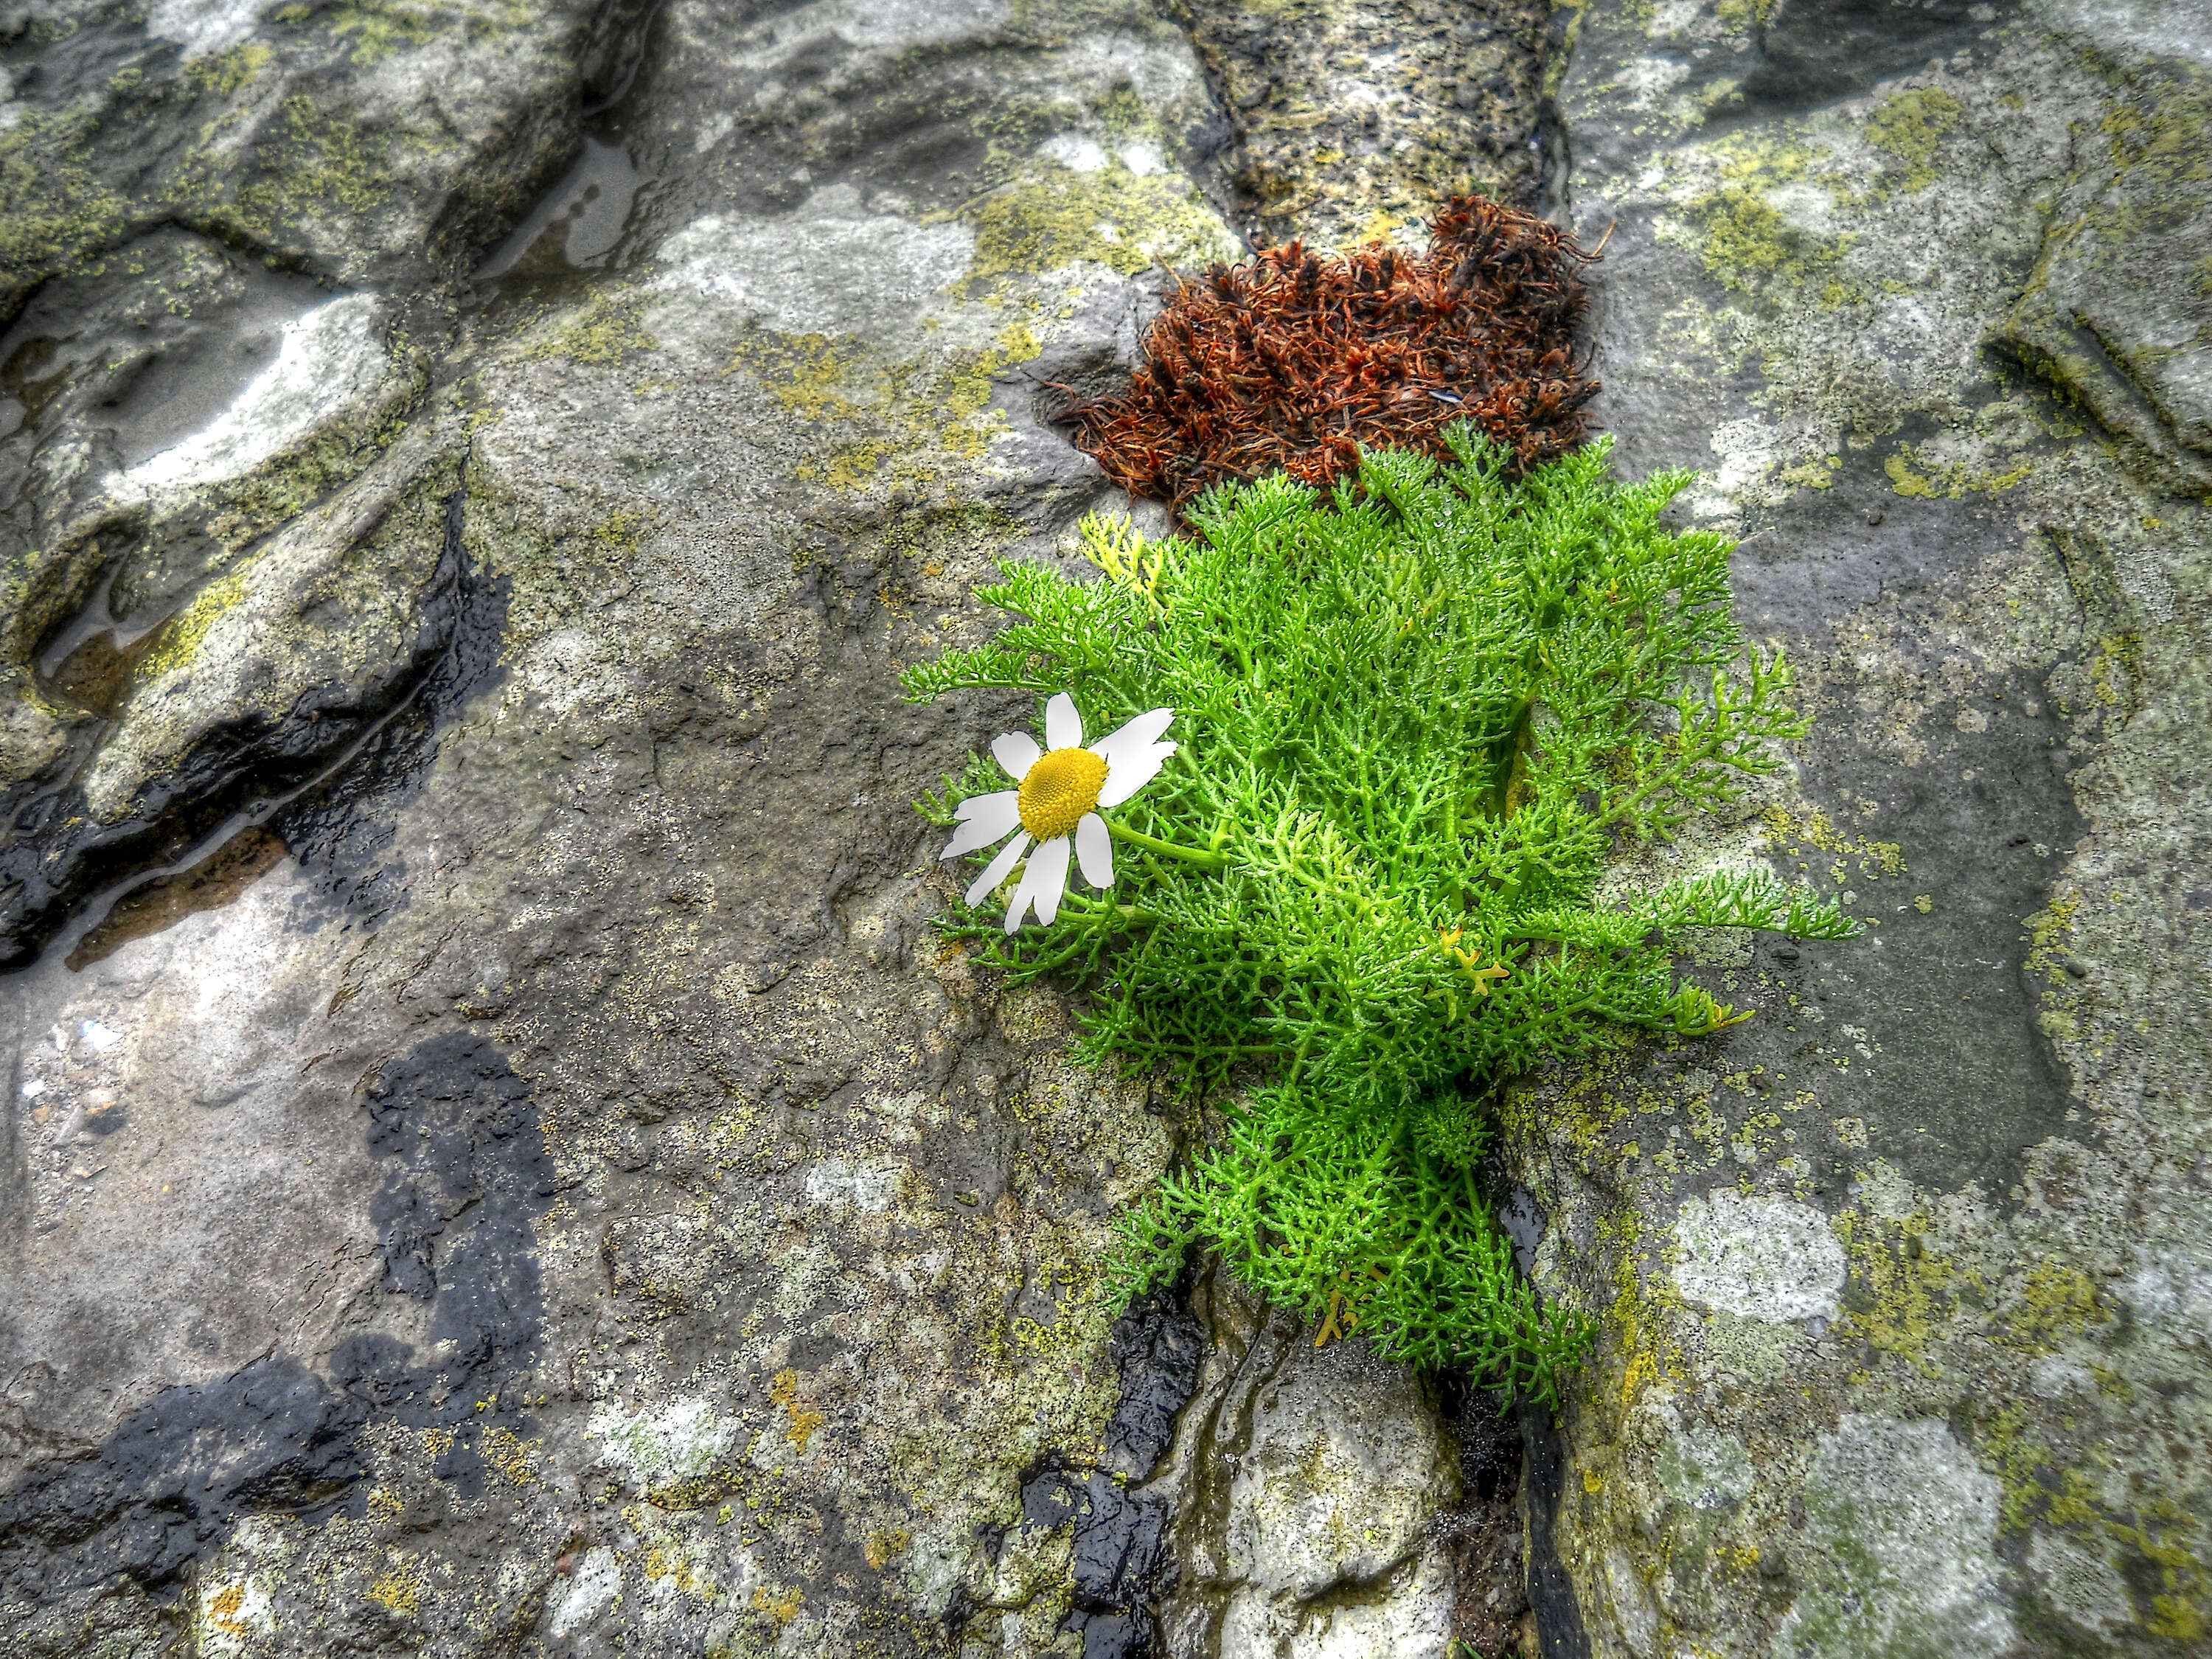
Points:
(1058, 791)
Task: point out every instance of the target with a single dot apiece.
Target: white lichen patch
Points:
(327, 361)
(2171, 1292)
(1769, 1259)
(1904, 1526)
(681, 1439)
(1074, 152)
(203, 27)
(1340, 1482)
(2079, 1582)
(771, 270)
(1705, 1467)
(847, 1184)
(591, 1588)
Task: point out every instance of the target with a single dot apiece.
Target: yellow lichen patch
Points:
(886, 1546)
(671, 1555)
(54, 210)
(400, 1589)
(2056, 1301)
(1743, 16)
(508, 1453)
(223, 1609)
(1896, 1280)
(967, 390)
(815, 377)
(181, 635)
(781, 1608)
(1791, 836)
(1950, 479)
(2018, 1458)
(2047, 930)
(1744, 238)
(2116, 669)
(1815, 472)
(605, 335)
(220, 74)
(2176, 1618)
(1909, 129)
(385, 1504)
(323, 166)
(784, 1391)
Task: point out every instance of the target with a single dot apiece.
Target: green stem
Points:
(1204, 861)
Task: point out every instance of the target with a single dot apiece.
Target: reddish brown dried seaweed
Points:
(1294, 362)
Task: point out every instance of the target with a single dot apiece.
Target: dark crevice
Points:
(1557, 1615)
(290, 766)
(1122, 1562)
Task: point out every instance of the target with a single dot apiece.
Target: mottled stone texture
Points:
(517, 1173)
(1349, 121)
(1903, 1284)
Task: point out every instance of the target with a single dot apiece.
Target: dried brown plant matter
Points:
(1294, 362)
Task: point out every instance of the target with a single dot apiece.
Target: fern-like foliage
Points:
(1417, 718)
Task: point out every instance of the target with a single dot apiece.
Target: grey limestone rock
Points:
(496, 1159)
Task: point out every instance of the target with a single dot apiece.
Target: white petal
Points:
(1126, 777)
(974, 804)
(1134, 734)
(996, 870)
(1094, 850)
(1063, 727)
(1016, 752)
(994, 817)
(1046, 879)
(1025, 893)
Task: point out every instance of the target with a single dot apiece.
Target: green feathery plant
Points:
(1416, 719)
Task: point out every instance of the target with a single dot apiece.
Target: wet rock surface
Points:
(1894, 1359)
(496, 1160)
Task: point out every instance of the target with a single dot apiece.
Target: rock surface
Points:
(1903, 1345)
(496, 1160)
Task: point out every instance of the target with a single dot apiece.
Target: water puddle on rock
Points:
(89, 662)
(579, 223)
(163, 373)
(210, 884)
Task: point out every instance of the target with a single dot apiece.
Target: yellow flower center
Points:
(1059, 790)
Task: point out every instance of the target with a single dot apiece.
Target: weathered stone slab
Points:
(1889, 1365)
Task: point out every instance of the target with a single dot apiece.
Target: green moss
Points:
(606, 334)
(1111, 217)
(53, 209)
(1909, 128)
(222, 74)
